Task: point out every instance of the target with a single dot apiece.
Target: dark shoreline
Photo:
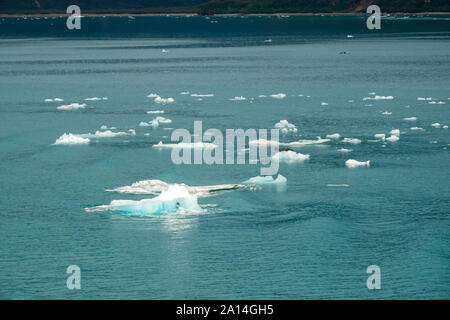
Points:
(180, 14)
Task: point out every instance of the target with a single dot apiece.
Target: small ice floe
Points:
(432, 102)
(71, 139)
(184, 93)
(185, 145)
(436, 125)
(153, 95)
(345, 150)
(386, 113)
(352, 140)
(395, 132)
(268, 40)
(164, 51)
(202, 95)
(334, 136)
(53, 100)
(155, 111)
(323, 104)
(72, 106)
(338, 185)
(290, 156)
(262, 96)
(380, 136)
(445, 127)
(263, 142)
(351, 101)
(263, 180)
(305, 142)
(161, 100)
(278, 96)
(349, 36)
(240, 98)
(410, 119)
(417, 129)
(441, 102)
(378, 98)
(393, 138)
(369, 105)
(93, 99)
(372, 93)
(351, 163)
(155, 122)
(104, 127)
(107, 134)
(285, 127)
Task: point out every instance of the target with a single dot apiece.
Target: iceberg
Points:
(305, 142)
(393, 138)
(262, 180)
(72, 106)
(71, 139)
(172, 200)
(285, 127)
(278, 96)
(351, 163)
(290, 156)
(333, 136)
(351, 140)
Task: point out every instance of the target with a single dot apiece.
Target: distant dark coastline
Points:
(222, 7)
(184, 14)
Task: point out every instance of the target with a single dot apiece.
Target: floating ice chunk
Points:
(160, 100)
(378, 98)
(54, 99)
(143, 187)
(351, 163)
(184, 93)
(285, 127)
(144, 124)
(395, 132)
(262, 96)
(380, 136)
(351, 140)
(105, 134)
(349, 36)
(263, 142)
(306, 142)
(164, 51)
(163, 120)
(155, 111)
(93, 99)
(70, 139)
(324, 104)
(290, 156)
(345, 150)
(152, 95)
(436, 125)
(241, 98)
(173, 199)
(278, 96)
(445, 127)
(72, 106)
(333, 136)
(268, 40)
(393, 138)
(103, 127)
(441, 102)
(262, 180)
(432, 102)
(186, 145)
(416, 129)
(105, 98)
(410, 119)
(202, 95)
(338, 185)
(386, 113)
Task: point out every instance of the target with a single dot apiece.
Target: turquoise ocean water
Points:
(312, 239)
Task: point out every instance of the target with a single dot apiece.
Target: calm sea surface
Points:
(312, 239)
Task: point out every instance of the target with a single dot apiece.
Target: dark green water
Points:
(307, 241)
